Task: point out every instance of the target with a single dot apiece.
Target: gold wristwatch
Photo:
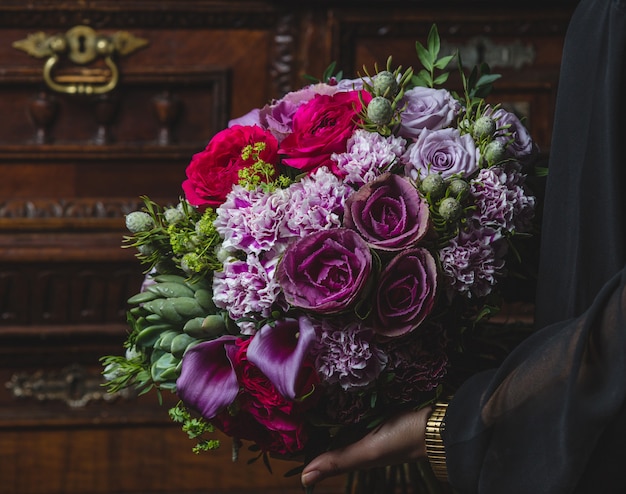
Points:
(435, 449)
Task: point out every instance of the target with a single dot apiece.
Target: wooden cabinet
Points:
(71, 166)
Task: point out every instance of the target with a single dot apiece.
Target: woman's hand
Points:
(399, 440)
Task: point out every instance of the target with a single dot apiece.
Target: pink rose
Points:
(321, 127)
(213, 172)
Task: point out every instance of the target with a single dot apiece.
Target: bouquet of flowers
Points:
(330, 251)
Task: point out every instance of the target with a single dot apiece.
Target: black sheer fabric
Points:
(552, 418)
(584, 223)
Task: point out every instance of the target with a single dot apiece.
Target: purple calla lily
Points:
(208, 382)
(279, 351)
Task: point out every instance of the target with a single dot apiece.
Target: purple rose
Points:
(443, 151)
(327, 271)
(406, 292)
(512, 132)
(388, 213)
(427, 108)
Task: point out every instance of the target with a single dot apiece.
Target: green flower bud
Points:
(495, 152)
(385, 83)
(450, 209)
(138, 221)
(379, 111)
(484, 127)
(434, 185)
(146, 249)
(173, 215)
(458, 188)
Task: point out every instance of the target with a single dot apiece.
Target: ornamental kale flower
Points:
(249, 220)
(405, 292)
(325, 272)
(443, 151)
(368, 155)
(389, 213)
(246, 288)
(347, 355)
(427, 108)
(315, 203)
(500, 199)
(473, 262)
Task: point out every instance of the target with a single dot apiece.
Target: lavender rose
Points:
(443, 151)
(512, 132)
(406, 292)
(326, 272)
(388, 213)
(427, 108)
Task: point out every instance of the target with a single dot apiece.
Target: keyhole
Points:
(82, 44)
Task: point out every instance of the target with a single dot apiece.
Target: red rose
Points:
(213, 172)
(321, 127)
(264, 416)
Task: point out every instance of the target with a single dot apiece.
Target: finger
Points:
(336, 462)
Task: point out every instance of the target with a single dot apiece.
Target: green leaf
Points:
(422, 78)
(433, 41)
(441, 79)
(473, 77)
(487, 79)
(424, 56)
(443, 62)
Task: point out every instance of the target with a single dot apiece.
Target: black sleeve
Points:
(551, 418)
(583, 239)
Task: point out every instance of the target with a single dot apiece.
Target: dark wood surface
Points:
(71, 166)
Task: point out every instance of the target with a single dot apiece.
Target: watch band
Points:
(435, 449)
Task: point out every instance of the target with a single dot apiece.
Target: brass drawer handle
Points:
(81, 45)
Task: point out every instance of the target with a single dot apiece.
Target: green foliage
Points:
(429, 57)
(260, 174)
(183, 241)
(329, 75)
(195, 428)
(477, 85)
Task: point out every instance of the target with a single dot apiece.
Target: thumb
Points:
(333, 463)
(398, 440)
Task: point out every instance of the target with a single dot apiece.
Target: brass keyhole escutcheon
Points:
(81, 45)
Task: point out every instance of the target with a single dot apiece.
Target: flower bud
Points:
(379, 111)
(450, 209)
(173, 215)
(458, 188)
(146, 249)
(495, 152)
(138, 221)
(385, 83)
(484, 127)
(434, 185)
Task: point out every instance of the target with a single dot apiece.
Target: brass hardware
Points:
(81, 45)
